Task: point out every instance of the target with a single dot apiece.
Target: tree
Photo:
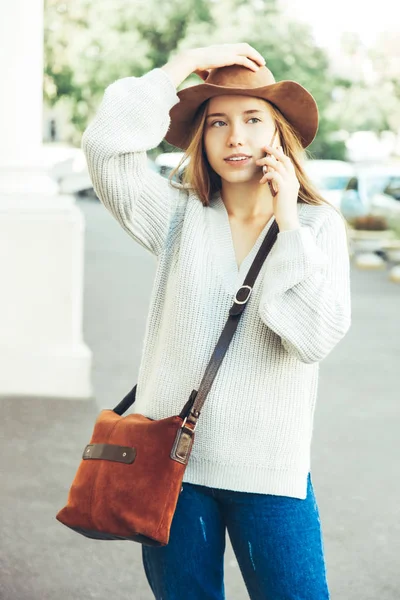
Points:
(385, 57)
(84, 52)
(367, 89)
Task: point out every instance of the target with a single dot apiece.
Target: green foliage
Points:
(84, 52)
(366, 88)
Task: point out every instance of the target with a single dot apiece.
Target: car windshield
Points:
(166, 171)
(331, 182)
(393, 188)
(376, 184)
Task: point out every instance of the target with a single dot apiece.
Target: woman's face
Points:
(239, 125)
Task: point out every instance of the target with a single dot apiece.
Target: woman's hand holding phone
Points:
(270, 182)
(279, 172)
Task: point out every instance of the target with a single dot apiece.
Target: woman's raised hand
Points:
(223, 55)
(202, 60)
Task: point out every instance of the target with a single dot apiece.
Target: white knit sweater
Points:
(254, 433)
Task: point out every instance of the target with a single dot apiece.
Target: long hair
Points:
(201, 177)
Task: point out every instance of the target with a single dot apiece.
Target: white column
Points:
(21, 68)
(42, 352)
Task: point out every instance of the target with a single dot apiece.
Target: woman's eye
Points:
(252, 119)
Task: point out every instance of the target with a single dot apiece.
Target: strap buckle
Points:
(250, 289)
(184, 423)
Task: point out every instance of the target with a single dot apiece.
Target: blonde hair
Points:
(199, 175)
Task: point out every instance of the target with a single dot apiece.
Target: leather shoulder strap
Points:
(236, 311)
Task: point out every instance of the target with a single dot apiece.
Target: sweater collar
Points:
(223, 248)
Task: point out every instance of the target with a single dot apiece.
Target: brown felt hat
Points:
(295, 103)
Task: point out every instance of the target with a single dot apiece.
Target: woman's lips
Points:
(238, 163)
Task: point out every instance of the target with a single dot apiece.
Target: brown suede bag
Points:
(130, 476)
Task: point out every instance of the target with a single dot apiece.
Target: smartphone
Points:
(265, 168)
(270, 183)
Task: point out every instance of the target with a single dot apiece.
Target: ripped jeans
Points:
(277, 542)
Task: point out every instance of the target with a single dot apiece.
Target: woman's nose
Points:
(235, 138)
(235, 135)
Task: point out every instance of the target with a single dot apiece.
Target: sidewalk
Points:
(355, 446)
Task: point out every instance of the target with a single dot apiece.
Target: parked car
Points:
(167, 161)
(374, 189)
(73, 177)
(330, 177)
(387, 202)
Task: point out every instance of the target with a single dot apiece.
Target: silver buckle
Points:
(183, 425)
(248, 296)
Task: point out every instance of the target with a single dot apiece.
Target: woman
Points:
(249, 471)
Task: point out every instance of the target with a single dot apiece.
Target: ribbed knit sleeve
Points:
(306, 289)
(132, 118)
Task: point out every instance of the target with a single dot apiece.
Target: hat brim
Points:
(295, 103)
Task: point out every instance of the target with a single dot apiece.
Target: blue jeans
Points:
(277, 542)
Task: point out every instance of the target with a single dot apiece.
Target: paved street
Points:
(355, 454)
